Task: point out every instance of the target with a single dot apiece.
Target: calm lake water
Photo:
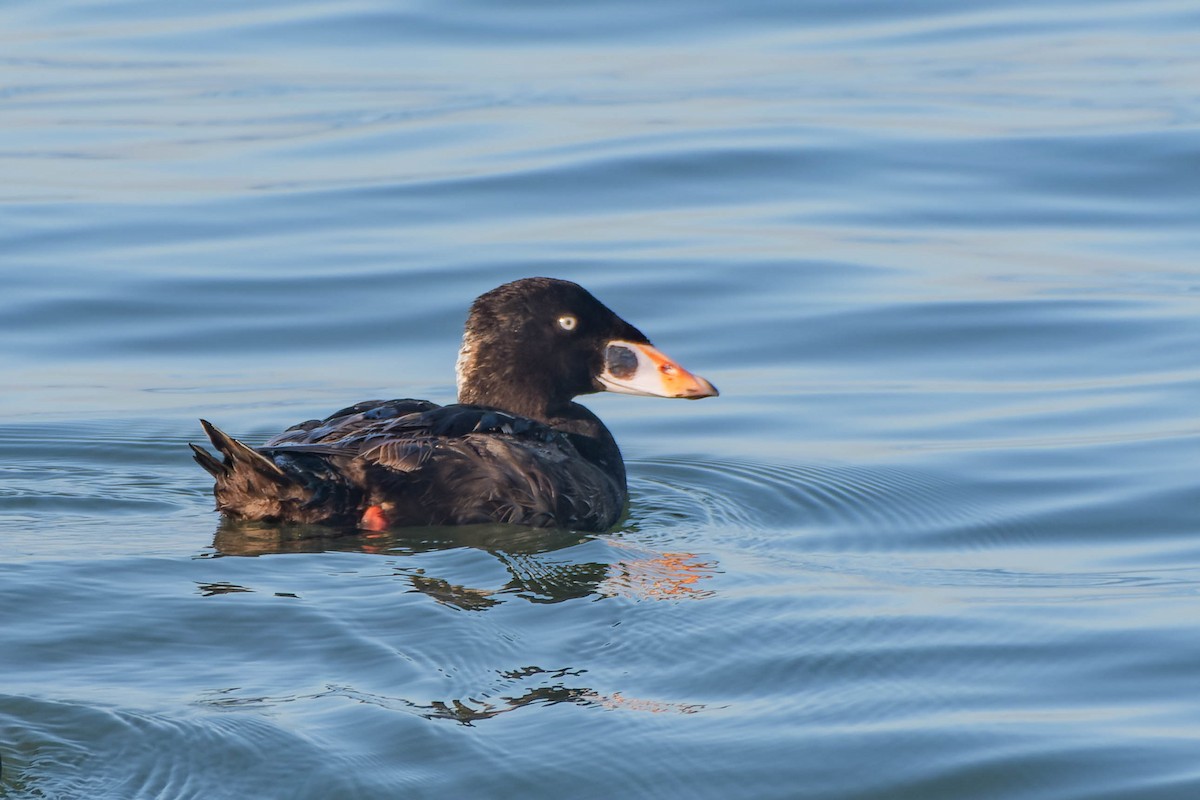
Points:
(938, 538)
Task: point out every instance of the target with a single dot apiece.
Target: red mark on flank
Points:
(373, 519)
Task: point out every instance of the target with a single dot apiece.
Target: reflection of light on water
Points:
(472, 710)
(487, 702)
(659, 576)
(616, 700)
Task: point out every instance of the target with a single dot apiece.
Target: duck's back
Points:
(412, 462)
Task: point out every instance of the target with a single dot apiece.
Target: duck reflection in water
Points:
(540, 570)
(536, 559)
(508, 694)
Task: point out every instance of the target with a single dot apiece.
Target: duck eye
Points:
(567, 322)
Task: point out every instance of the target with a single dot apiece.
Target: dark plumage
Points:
(515, 449)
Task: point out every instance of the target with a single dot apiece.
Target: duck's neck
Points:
(479, 387)
(513, 399)
(485, 377)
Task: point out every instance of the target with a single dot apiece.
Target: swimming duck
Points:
(515, 449)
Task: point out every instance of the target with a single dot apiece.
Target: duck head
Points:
(533, 345)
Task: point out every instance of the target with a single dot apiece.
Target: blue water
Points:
(938, 538)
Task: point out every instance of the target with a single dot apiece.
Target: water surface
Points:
(936, 539)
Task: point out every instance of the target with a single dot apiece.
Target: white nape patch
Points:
(465, 363)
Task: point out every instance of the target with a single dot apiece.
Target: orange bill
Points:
(639, 368)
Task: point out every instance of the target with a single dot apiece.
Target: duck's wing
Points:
(376, 428)
(411, 462)
(351, 421)
(459, 464)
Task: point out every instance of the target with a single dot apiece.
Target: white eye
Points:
(567, 322)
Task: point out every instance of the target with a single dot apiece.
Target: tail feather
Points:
(304, 487)
(236, 455)
(205, 459)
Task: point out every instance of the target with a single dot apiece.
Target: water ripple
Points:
(941, 523)
(834, 506)
(68, 749)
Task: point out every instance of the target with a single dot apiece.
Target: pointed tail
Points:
(238, 457)
(250, 485)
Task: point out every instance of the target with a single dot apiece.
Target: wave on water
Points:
(71, 749)
(829, 506)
